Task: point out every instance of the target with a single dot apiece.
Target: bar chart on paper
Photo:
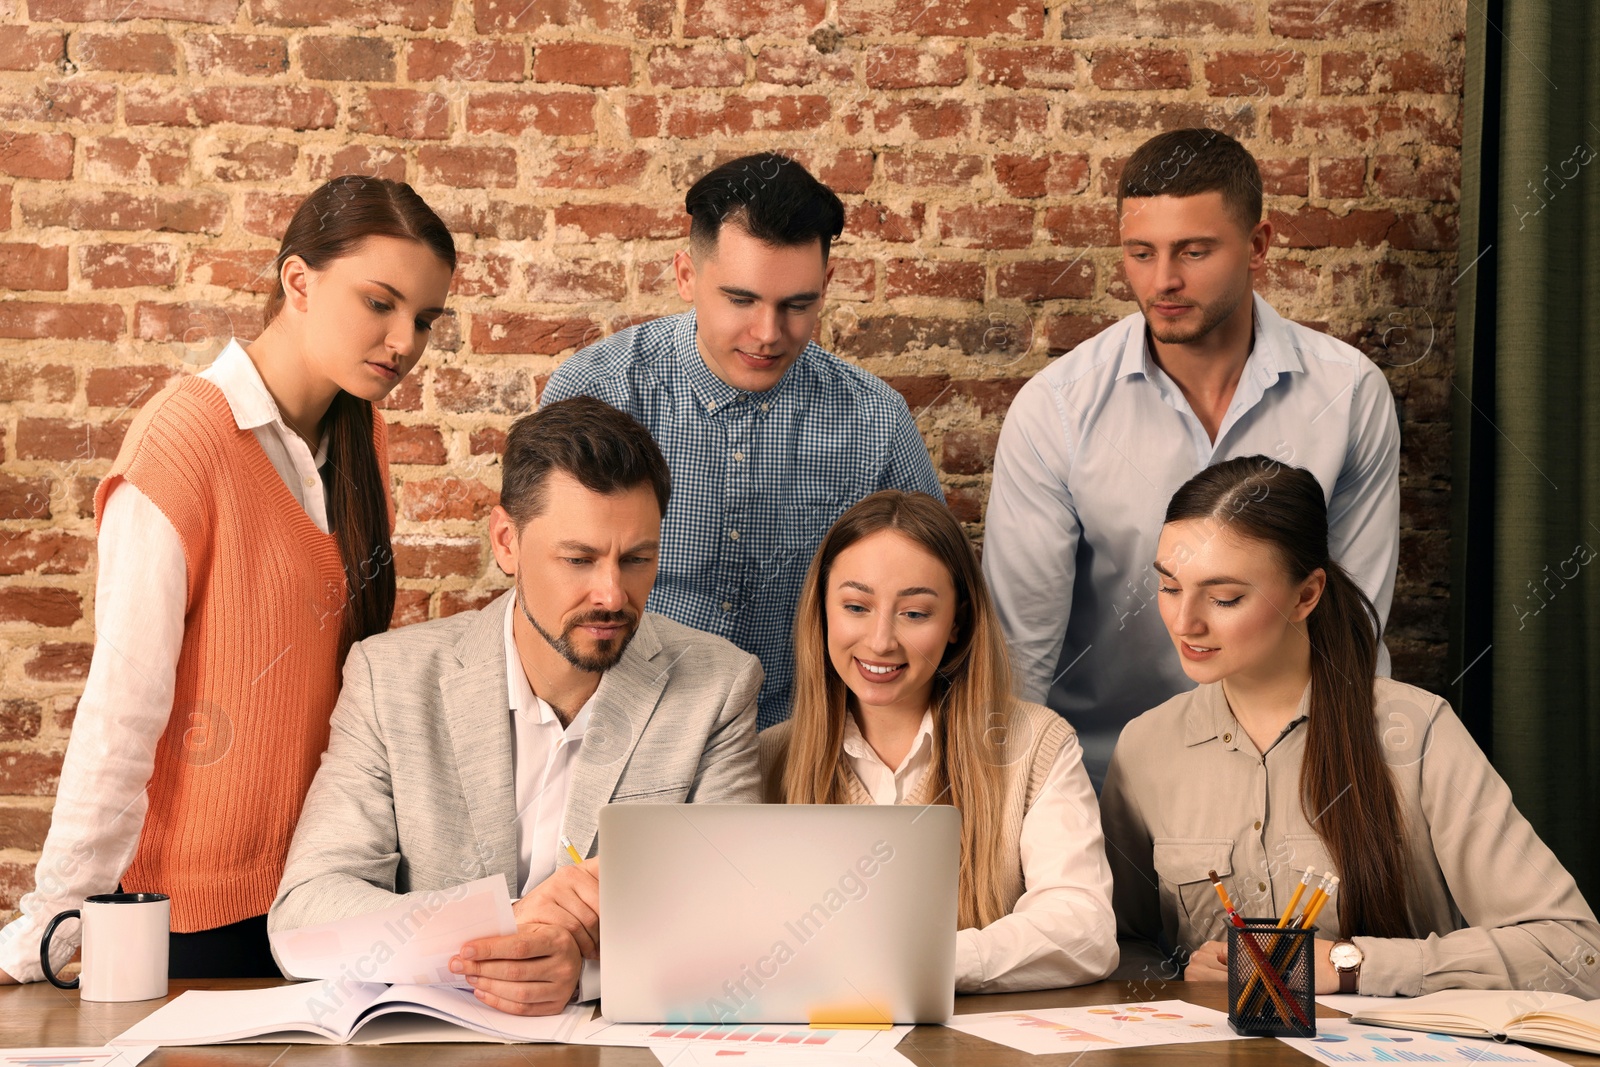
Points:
(750, 1036)
(1341, 1041)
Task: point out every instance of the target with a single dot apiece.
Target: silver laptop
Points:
(778, 913)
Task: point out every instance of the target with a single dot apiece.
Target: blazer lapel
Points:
(479, 720)
(623, 704)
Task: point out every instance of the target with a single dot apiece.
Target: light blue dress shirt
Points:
(1091, 452)
(757, 478)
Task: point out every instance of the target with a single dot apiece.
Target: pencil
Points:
(1299, 890)
(567, 844)
(1311, 912)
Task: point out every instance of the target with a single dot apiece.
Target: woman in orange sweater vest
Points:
(903, 696)
(243, 547)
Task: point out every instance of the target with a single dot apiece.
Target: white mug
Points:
(124, 946)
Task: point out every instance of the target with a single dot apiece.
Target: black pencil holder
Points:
(1271, 980)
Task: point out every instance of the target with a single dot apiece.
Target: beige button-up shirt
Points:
(1188, 793)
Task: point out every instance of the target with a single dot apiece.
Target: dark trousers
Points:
(238, 950)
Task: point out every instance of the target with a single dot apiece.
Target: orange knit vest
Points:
(258, 672)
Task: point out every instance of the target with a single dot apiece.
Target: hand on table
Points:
(570, 899)
(6, 979)
(1209, 963)
(531, 972)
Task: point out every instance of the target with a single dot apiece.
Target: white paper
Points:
(408, 944)
(798, 1037)
(1342, 1041)
(1044, 1031)
(702, 1055)
(75, 1057)
(1350, 1003)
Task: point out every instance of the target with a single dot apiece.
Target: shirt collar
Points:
(856, 746)
(1210, 718)
(520, 696)
(713, 393)
(252, 405)
(1272, 354)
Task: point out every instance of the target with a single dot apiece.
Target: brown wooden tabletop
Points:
(39, 1015)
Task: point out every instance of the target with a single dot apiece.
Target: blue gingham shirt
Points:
(757, 478)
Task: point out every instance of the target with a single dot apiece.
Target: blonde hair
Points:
(972, 698)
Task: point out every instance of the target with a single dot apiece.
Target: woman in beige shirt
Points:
(1291, 753)
(903, 696)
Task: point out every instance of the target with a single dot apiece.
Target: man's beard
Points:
(1211, 316)
(606, 654)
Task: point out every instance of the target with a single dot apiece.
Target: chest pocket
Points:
(1183, 865)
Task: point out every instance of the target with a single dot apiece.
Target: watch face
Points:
(1344, 956)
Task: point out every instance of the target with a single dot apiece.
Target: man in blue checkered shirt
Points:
(769, 437)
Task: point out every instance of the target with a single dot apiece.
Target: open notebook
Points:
(342, 1012)
(1534, 1018)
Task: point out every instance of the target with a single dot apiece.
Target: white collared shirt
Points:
(883, 785)
(140, 600)
(543, 753)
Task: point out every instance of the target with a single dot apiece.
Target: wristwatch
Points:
(1346, 959)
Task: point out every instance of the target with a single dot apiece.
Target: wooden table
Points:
(41, 1015)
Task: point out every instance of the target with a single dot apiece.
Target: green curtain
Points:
(1526, 484)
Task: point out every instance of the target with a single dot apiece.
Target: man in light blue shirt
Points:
(769, 437)
(1096, 443)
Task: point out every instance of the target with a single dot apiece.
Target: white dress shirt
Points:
(140, 600)
(1091, 452)
(1061, 931)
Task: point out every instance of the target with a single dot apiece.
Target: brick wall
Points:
(151, 152)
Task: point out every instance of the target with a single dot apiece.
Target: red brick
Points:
(1048, 279)
(482, 274)
(1092, 118)
(1423, 232)
(55, 661)
(965, 504)
(803, 65)
(410, 607)
(466, 167)
(582, 63)
(853, 279)
(1030, 176)
(1419, 72)
(1346, 73)
(1033, 67)
(1016, 118)
(373, 160)
(1315, 227)
(1063, 333)
(623, 222)
(20, 720)
(36, 155)
(135, 160)
(576, 281)
(286, 107)
(704, 67)
(908, 118)
(751, 18)
(247, 270)
(516, 333)
(257, 161)
(44, 552)
(67, 440)
(707, 114)
(992, 396)
(25, 48)
(1253, 73)
(968, 451)
(472, 61)
(632, 18)
(128, 10)
(243, 55)
(487, 441)
(986, 226)
(922, 277)
(421, 445)
(1156, 18)
(125, 387)
(33, 321)
(24, 498)
(848, 171)
(498, 219)
(365, 14)
(268, 214)
(53, 102)
(518, 111)
(25, 267)
(1323, 19)
(1336, 123)
(1082, 225)
(404, 113)
(121, 266)
(1285, 177)
(34, 774)
(1139, 68)
(880, 223)
(406, 396)
(349, 59)
(447, 498)
(134, 53)
(195, 324)
(455, 601)
(49, 383)
(589, 168)
(1345, 176)
(931, 168)
(943, 18)
(931, 63)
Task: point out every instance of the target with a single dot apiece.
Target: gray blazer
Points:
(415, 792)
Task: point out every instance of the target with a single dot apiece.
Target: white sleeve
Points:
(141, 594)
(1062, 931)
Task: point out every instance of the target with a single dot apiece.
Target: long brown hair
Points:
(328, 224)
(971, 693)
(1346, 789)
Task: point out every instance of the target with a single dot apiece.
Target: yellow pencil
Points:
(566, 844)
(1305, 879)
(1315, 907)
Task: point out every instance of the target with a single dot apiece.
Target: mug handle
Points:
(44, 949)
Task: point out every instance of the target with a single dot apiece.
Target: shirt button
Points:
(727, 605)
(1258, 824)
(1262, 886)
(1226, 738)
(733, 534)
(765, 407)
(738, 457)
(310, 482)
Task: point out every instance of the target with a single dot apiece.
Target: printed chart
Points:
(1054, 1030)
(753, 1036)
(74, 1057)
(1341, 1041)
